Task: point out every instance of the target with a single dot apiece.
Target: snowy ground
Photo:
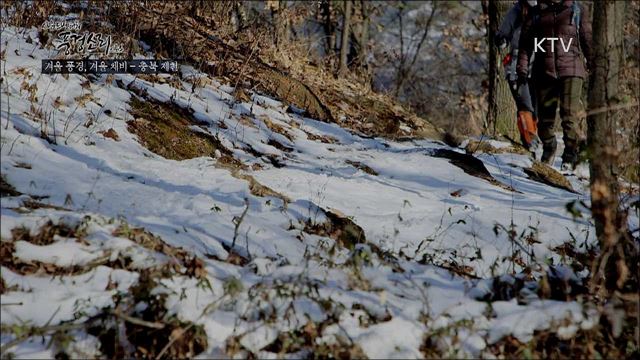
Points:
(405, 208)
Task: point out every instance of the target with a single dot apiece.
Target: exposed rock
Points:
(470, 165)
(474, 146)
(547, 175)
(452, 139)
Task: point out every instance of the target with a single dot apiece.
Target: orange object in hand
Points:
(528, 127)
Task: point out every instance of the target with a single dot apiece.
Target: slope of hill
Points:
(150, 216)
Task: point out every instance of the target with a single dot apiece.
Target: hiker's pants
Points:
(564, 92)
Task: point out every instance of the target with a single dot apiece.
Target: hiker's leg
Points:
(547, 97)
(571, 112)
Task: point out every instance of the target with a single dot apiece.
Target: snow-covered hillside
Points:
(288, 235)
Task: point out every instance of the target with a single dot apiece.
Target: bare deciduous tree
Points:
(611, 223)
(409, 56)
(328, 27)
(344, 46)
(502, 110)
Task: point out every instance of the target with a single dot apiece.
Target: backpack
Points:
(576, 14)
(575, 20)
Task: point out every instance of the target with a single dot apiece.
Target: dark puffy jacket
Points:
(509, 31)
(555, 20)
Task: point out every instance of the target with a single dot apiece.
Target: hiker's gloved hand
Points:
(522, 80)
(500, 41)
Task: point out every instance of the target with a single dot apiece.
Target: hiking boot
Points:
(535, 148)
(567, 166)
(569, 159)
(549, 152)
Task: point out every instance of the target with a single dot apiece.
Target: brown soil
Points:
(29, 205)
(45, 234)
(7, 189)
(338, 227)
(186, 263)
(360, 166)
(110, 134)
(276, 127)
(182, 339)
(326, 139)
(164, 129)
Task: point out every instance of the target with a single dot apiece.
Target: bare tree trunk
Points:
(360, 35)
(329, 29)
(344, 47)
(610, 222)
(400, 72)
(501, 113)
(281, 23)
(239, 15)
(405, 67)
(364, 34)
(285, 23)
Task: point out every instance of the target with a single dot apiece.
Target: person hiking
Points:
(509, 33)
(559, 71)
